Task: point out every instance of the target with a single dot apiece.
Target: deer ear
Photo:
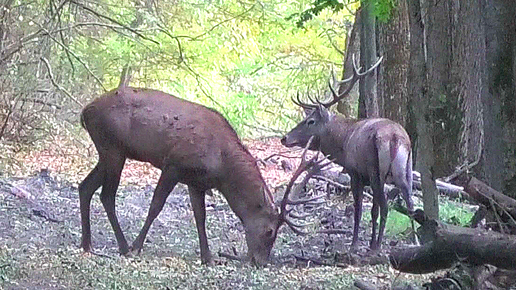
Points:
(324, 113)
(308, 111)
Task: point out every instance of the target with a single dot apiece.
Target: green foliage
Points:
(317, 7)
(210, 52)
(382, 9)
(239, 110)
(397, 223)
(453, 213)
(243, 60)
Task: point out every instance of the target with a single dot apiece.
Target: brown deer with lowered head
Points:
(373, 151)
(191, 144)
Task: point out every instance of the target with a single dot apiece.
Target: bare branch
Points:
(51, 75)
(73, 54)
(114, 21)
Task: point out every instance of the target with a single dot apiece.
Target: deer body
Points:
(373, 151)
(191, 144)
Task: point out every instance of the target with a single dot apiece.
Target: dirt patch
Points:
(40, 238)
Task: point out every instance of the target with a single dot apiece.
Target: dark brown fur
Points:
(191, 144)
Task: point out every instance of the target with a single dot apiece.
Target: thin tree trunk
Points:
(368, 101)
(418, 92)
(347, 106)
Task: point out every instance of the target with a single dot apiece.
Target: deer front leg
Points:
(166, 183)
(199, 209)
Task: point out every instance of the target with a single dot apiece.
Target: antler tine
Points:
(371, 68)
(297, 216)
(314, 101)
(298, 102)
(310, 165)
(295, 227)
(352, 80)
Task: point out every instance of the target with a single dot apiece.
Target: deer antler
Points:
(311, 166)
(298, 102)
(352, 80)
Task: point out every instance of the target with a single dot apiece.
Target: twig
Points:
(114, 21)
(333, 231)
(36, 101)
(74, 55)
(463, 168)
(51, 75)
(498, 220)
(281, 154)
(333, 44)
(332, 182)
(101, 255)
(319, 262)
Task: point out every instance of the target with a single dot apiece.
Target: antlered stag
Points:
(373, 151)
(191, 144)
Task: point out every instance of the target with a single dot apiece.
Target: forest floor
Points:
(40, 235)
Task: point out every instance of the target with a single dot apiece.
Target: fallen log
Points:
(502, 205)
(485, 194)
(444, 245)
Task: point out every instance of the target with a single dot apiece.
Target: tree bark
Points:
(368, 100)
(393, 44)
(418, 93)
(444, 114)
(347, 106)
(467, 76)
(498, 98)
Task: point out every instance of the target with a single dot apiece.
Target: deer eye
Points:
(269, 233)
(310, 122)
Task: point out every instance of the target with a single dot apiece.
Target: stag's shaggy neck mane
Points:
(332, 141)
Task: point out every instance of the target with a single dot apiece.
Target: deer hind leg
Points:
(86, 189)
(379, 206)
(197, 198)
(357, 187)
(112, 165)
(374, 220)
(382, 203)
(402, 176)
(167, 182)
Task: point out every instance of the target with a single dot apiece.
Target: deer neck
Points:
(243, 185)
(333, 139)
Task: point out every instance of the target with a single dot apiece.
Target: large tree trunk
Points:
(368, 100)
(444, 114)
(468, 76)
(393, 44)
(498, 98)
